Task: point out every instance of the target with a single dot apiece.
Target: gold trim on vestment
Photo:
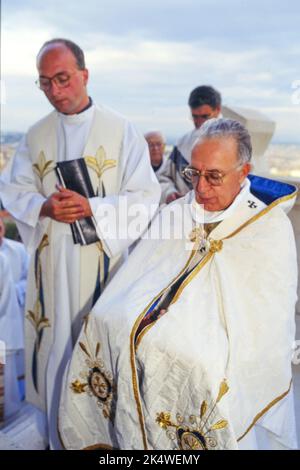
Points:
(180, 289)
(191, 276)
(262, 213)
(99, 446)
(267, 408)
(202, 263)
(133, 347)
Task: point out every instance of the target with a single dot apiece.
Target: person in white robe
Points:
(18, 260)
(205, 103)
(11, 337)
(66, 278)
(190, 346)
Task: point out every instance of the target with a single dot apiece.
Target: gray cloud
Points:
(145, 57)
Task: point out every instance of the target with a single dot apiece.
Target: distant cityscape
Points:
(283, 159)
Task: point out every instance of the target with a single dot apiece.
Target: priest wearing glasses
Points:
(78, 159)
(190, 346)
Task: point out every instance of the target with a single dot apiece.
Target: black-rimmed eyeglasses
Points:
(213, 177)
(61, 80)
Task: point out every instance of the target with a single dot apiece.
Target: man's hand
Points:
(172, 197)
(66, 206)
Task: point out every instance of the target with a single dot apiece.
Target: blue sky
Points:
(145, 57)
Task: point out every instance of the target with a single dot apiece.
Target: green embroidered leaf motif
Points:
(203, 409)
(43, 323)
(222, 390)
(220, 424)
(83, 347)
(86, 321)
(43, 244)
(97, 349)
(37, 310)
(31, 317)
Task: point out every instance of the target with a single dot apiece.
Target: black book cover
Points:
(73, 175)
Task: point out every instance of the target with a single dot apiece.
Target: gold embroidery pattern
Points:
(96, 380)
(100, 163)
(215, 245)
(43, 167)
(262, 213)
(36, 316)
(199, 235)
(133, 347)
(198, 433)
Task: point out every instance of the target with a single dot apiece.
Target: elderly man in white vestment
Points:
(68, 276)
(190, 346)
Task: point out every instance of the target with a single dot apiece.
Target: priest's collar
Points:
(84, 115)
(200, 215)
(157, 167)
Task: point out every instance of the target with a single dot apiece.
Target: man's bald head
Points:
(72, 46)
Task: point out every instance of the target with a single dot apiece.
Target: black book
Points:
(73, 175)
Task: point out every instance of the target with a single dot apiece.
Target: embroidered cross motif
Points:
(252, 205)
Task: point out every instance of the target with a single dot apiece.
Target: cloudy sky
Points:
(145, 57)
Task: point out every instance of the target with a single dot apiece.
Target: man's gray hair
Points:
(215, 128)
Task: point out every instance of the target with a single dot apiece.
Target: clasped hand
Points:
(66, 206)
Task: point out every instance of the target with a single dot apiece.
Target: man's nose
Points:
(199, 121)
(54, 89)
(202, 185)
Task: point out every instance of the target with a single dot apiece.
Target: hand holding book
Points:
(66, 206)
(70, 204)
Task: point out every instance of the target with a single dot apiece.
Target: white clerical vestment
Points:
(11, 336)
(18, 259)
(215, 362)
(66, 278)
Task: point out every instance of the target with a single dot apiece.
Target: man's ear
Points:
(244, 172)
(85, 76)
(217, 111)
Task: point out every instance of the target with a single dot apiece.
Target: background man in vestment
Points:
(205, 103)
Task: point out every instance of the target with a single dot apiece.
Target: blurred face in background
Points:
(61, 80)
(156, 144)
(203, 113)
